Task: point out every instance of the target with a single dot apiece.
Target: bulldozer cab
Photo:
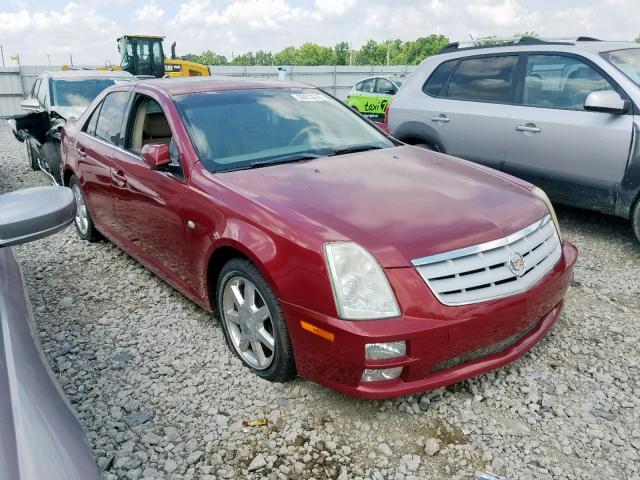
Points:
(142, 55)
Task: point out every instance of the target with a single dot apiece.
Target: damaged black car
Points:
(55, 99)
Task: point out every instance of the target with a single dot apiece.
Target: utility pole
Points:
(49, 61)
(388, 48)
(71, 60)
(2, 54)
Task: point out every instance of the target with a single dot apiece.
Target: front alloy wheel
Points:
(248, 321)
(253, 323)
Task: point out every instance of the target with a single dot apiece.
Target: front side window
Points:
(111, 115)
(42, 93)
(247, 128)
(558, 81)
(487, 79)
(78, 92)
(36, 86)
(627, 61)
(149, 125)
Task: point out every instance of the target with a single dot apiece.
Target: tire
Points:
(635, 219)
(247, 329)
(426, 146)
(83, 221)
(33, 160)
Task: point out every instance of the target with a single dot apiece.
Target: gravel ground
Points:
(160, 395)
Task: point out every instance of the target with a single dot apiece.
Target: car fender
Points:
(419, 130)
(249, 241)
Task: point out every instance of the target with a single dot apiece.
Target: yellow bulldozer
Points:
(143, 55)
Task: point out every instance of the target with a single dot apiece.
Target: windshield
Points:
(627, 61)
(78, 92)
(245, 128)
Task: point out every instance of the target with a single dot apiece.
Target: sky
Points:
(88, 29)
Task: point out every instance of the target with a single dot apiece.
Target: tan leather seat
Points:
(156, 129)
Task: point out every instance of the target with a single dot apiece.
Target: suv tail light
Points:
(385, 124)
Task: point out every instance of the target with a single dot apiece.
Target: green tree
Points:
(637, 40)
(314, 54)
(263, 58)
(414, 52)
(244, 59)
(286, 56)
(342, 53)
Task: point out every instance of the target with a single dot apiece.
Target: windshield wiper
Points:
(286, 159)
(355, 149)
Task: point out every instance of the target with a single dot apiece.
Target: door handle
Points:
(81, 152)
(440, 118)
(528, 128)
(119, 177)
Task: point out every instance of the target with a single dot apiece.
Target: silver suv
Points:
(563, 115)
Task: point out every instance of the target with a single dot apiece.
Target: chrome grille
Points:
(484, 272)
(483, 351)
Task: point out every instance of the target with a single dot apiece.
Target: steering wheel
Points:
(305, 132)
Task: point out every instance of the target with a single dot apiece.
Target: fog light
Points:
(377, 375)
(377, 351)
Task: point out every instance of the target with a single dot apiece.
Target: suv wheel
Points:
(253, 323)
(635, 219)
(83, 222)
(426, 146)
(33, 159)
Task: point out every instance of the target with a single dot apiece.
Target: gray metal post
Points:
(20, 74)
(335, 80)
(2, 54)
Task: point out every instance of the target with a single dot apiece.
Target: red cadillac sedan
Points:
(326, 248)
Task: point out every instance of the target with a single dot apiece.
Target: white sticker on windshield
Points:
(309, 97)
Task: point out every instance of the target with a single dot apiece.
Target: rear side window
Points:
(438, 79)
(111, 115)
(90, 128)
(368, 86)
(385, 87)
(487, 79)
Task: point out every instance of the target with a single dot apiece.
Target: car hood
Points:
(68, 112)
(400, 203)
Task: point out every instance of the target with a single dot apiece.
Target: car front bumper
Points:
(444, 344)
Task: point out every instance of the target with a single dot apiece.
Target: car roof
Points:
(591, 46)
(181, 86)
(61, 74)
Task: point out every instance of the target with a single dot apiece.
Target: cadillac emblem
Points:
(517, 265)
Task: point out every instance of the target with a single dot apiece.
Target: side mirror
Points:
(606, 102)
(156, 155)
(33, 213)
(30, 104)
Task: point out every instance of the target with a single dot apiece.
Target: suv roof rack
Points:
(498, 42)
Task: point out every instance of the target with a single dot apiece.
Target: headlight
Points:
(543, 196)
(360, 286)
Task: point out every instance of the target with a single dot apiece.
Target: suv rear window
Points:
(438, 79)
(487, 79)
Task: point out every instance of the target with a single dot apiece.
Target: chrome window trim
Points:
(463, 252)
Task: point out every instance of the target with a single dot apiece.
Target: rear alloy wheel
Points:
(635, 219)
(252, 321)
(33, 159)
(83, 222)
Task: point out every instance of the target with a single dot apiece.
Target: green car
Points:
(371, 96)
